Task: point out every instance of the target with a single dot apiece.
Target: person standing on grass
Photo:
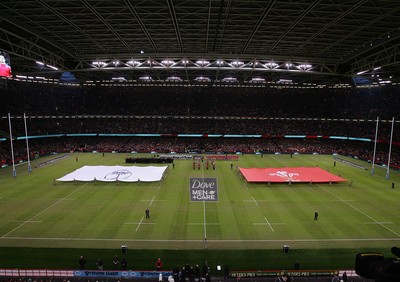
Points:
(124, 264)
(392, 185)
(99, 264)
(82, 262)
(147, 213)
(115, 262)
(159, 264)
(316, 215)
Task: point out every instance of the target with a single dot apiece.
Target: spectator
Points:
(82, 262)
(159, 264)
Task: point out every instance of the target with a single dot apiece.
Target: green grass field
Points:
(248, 220)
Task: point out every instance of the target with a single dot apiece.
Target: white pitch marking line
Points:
(199, 223)
(270, 226)
(23, 223)
(134, 223)
(388, 222)
(255, 201)
(271, 223)
(188, 241)
(343, 200)
(360, 211)
(139, 224)
(152, 200)
(28, 221)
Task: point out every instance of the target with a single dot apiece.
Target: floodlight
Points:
(99, 63)
(202, 78)
(304, 66)
(173, 78)
(54, 68)
(361, 72)
(229, 79)
(271, 65)
(202, 62)
(257, 79)
(237, 63)
(284, 80)
(167, 62)
(132, 62)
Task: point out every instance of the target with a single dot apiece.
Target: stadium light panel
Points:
(133, 62)
(229, 79)
(54, 68)
(167, 62)
(361, 72)
(202, 62)
(203, 78)
(174, 78)
(284, 80)
(257, 79)
(304, 66)
(237, 63)
(271, 65)
(39, 63)
(99, 63)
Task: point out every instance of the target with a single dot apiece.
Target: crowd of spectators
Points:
(270, 112)
(45, 146)
(177, 125)
(48, 99)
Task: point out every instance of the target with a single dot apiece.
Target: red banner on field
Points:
(289, 174)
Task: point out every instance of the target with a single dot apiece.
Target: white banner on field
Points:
(116, 173)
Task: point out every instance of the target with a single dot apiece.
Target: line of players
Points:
(207, 164)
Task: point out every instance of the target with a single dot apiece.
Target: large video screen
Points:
(5, 66)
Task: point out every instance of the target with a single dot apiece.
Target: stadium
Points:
(199, 140)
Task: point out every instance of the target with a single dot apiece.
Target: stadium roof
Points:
(204, 40)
